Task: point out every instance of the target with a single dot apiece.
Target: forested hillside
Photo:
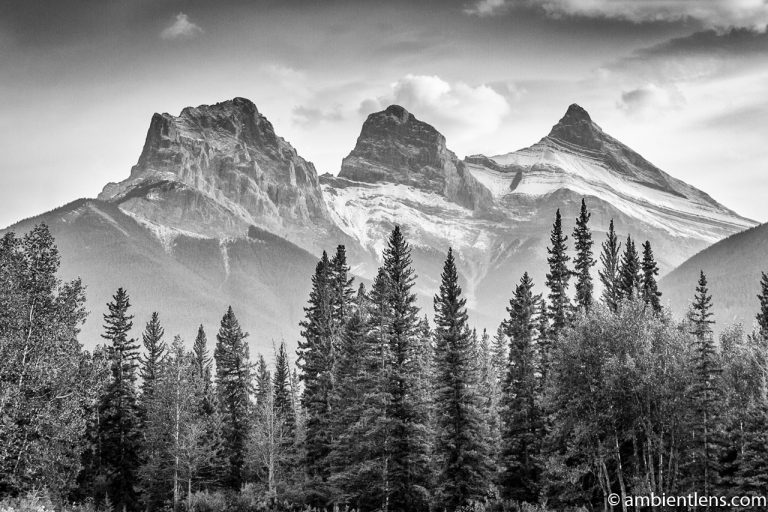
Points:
(385, 407)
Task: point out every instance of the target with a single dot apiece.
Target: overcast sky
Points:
(685, 82)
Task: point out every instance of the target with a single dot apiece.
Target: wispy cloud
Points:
(651, 100)
(486, 7)
(181, 28)
(710, 13)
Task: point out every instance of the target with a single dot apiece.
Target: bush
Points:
(33, 501)
(204, 501)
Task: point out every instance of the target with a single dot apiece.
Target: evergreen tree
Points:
(583, 263)
(233, 384)
(119, 409)
(706, 393)
(762, 316)
(316, 360)
(281, 386)
(500, 353)
(156, 351)
(543, 342)
(558, 276)
(752, 475)
(263, 380)
(609, 276)
(202, 361)
(629, 274)
(521, 415)
(490, 392)
(367, 482)
(342, 290)
(409, 443)
(650, 289)
(462, 447)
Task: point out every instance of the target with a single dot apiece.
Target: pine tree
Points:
(367, 482)
(490, 392)
(263, 380)
(500, 353)
(156, 351)
(650, 289)
(629, 274)
(342, 290)
(752, 474)
(119, 409)
(233, 383)
(462, 448)
(706, 394)
(316, 360)
(558, 276)
(202, 361)
(583, 263)
(521, 415)
(762, 316)
(281, 385)
(609, 276)
(409, 443)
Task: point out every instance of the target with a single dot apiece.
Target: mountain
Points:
(733, 267)
(496, 212)
(220, 210)
(211, 215)
(215, 170)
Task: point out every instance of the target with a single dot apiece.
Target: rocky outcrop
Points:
(395, 147)
(217, 169)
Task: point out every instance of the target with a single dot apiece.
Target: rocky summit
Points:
(220, 210)
(215, 170)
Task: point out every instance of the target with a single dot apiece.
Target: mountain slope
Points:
(190, 280)
(733, 268)
(401, 171)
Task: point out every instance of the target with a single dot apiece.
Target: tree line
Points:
(573, 397)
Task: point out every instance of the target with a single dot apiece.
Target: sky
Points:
(683, 82)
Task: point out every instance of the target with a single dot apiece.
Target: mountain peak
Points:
(400, 114)
(577, 127)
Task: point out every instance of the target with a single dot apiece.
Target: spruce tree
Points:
(263, 385)
(521, 416)
(233, 384)
(316, 360)
(609, 275)
(490, 392)
(762, 316)
(156, 351)
(650, 289)
(202, 362)
(629, 275)
(500, 353)
(119, 410)
(342, 290)
(462, 447)
(558, 276)
(706, 393)
(409, 444)
(583, 263)
(281, 386)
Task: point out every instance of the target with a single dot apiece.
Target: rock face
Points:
(395, 147)
(215, 170)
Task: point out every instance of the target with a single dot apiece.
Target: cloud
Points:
(710, 13)
(650, 101)
(486, 7)
(308, 116)
(467, 111)
(181, 28)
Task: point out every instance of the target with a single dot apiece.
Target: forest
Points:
(576, 395)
